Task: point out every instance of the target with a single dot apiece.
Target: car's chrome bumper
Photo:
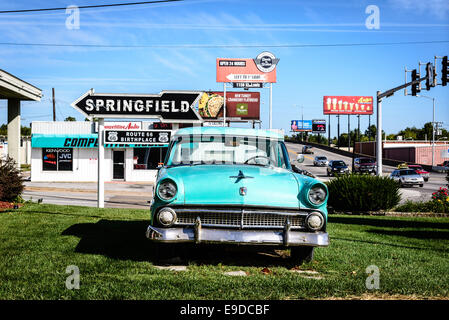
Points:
(230, 236)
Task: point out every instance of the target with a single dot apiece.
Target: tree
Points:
(70, 119)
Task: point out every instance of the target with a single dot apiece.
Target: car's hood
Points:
(220, 184)
(411, 176)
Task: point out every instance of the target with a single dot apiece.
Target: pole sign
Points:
(301, 125)
(169, 106)
(261, 69)
(348, 105)
(318, 126)
(141, 137)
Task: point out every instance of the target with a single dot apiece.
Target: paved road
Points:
(117, 195)
(436, 179)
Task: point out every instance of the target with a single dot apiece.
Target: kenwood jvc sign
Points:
(170, 106)
(141, 137)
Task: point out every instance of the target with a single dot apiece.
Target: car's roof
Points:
(229, 131)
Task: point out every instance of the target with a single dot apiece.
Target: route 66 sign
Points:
(164, 137)
(112, 136)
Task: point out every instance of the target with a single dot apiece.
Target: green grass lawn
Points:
(38, 242)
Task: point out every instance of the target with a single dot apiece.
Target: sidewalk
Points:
(133, 195)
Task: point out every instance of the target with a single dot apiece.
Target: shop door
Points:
(118, 158)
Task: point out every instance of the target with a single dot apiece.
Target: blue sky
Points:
(305, 74)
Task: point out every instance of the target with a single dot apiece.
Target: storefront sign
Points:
(239, 105)
(347, 105)
(64, 141)
(140, 137)
(261, 69)
(318, 126)
(120, 125)
(170, 106)
(301, 125)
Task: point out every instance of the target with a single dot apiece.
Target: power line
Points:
(91, 7)
(293, 45)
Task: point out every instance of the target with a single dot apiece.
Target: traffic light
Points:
(415, 87)
(430, 76)
(444, 70)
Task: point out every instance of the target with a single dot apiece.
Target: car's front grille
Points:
(241, 217)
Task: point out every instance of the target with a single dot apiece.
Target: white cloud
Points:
(437, 8)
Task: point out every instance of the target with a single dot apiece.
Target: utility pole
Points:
(54, 106)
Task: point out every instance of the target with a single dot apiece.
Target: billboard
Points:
(348, 105)
(318, 126)
(239, 105)
(301, 125)
(260, 69)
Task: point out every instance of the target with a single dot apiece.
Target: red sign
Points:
(347, 105)
(239, 105)
(242, 70)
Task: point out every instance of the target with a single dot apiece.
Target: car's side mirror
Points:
(159, 165)
(300, 158)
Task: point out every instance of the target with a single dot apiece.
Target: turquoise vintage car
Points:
(237, 186)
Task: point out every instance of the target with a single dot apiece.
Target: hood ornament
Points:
(240, 176)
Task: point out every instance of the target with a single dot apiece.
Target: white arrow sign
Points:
(246, 77)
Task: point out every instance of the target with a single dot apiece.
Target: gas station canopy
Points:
(12, 87)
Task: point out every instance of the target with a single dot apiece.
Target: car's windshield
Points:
(321, 158)
(407, 172)
(366, 161)
(339, 163)
(225, 149)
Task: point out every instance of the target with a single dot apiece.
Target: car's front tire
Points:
(300, 255)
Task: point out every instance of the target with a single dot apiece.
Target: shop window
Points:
(56, 159)
(148, 158)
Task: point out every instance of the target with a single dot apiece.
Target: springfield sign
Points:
(170, 106)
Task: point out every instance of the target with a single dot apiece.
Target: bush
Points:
(363, 193)
(11, 183)
(429, 206)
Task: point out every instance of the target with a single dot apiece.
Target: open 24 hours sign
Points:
(152, 137)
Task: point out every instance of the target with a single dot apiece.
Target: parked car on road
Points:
(320, 161)
(364, 165)
(236, 186)
(307, 149)
(419, 169)
(337, 167)
(407, 177)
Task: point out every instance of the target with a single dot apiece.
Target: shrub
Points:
(11, 183)
(363, 193)
(429, 206)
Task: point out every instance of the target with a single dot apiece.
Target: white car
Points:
(407, 177)
(320, 161)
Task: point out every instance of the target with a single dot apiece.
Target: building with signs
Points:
(68, 151)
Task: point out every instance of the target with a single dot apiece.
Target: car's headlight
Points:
(167, 190)
(166, 217)
(317, 194)
(315, 221)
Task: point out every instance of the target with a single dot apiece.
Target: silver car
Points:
(320, 161)
(407, 177)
